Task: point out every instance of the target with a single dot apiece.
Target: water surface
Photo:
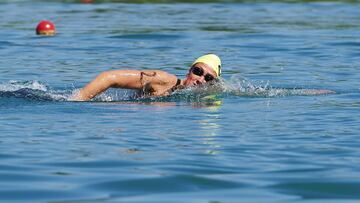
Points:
(261, 139)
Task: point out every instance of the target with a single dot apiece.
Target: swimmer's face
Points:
(199, 73)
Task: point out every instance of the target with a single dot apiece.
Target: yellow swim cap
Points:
(212, 61)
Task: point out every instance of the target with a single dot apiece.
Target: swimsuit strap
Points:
(176, 85)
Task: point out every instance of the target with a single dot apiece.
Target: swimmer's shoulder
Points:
(159, 76)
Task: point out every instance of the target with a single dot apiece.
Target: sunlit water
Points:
(261, 135)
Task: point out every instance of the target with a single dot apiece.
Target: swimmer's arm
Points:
(127, 79)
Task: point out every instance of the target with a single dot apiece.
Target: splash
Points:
(240, 86)
(13, 86)
(206, 94)
(213, 93)
(31, 90)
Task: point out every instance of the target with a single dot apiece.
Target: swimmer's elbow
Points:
(106, 78)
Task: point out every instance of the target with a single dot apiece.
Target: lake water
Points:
(262, 138)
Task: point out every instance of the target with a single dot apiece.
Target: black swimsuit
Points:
(176, 86)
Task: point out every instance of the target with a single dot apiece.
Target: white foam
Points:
(14, 86)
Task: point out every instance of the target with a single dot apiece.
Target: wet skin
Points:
(148, 82)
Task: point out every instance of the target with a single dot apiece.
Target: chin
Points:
(191, 84)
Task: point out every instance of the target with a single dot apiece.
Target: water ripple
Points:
(179, 183)
(320, 190)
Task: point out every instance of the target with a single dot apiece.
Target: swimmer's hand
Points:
(76, 96)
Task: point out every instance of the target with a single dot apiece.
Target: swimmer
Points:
(204, 69)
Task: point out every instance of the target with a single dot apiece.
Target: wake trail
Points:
(236, 86)
(31, 90)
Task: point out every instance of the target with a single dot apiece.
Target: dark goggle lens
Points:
(209, 77)
(200, 72)
(197, 71)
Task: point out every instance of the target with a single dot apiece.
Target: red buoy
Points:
(45, 27)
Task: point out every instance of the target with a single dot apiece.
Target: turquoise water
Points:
(261, 137)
